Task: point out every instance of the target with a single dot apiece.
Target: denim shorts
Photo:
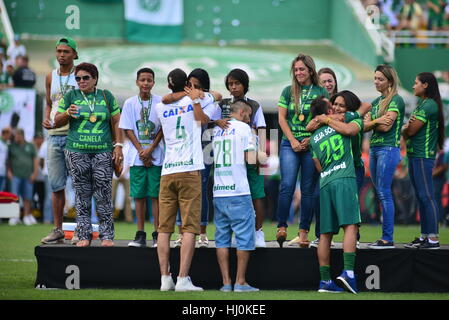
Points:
(56, 163)
(22, 188)
(234, 214)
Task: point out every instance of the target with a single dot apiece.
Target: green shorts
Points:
(256, 182)
(339, 205)
(145, 181)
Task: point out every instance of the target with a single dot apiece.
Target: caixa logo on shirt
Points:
(177, 111)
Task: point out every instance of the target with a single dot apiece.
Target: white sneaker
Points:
(203, 242)
(167, 283)
(14, 221)
(184, 284)
(260, 239)
(29, 220)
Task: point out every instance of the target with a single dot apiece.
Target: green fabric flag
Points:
(154, 20)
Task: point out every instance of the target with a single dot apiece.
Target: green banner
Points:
(154, 20)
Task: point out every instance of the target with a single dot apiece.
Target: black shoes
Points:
(140, 240)
(380, 244)
(154, 235)
(422, 244)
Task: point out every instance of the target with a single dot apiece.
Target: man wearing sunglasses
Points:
(57, 84)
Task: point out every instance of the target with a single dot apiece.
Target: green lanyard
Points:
(301, 116)
(92, 116)
(146, 113)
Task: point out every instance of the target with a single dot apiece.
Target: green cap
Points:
(68, 42)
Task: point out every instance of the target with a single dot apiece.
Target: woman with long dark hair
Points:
(425, 135)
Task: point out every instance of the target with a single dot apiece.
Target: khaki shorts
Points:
(180, 191)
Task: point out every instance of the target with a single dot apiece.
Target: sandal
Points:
(303, 238)
(83, 243)
(281, 236)
(107, 243)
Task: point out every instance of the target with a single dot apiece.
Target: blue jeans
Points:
(420, 170)
(48, 208)
(290, 163)
(22, 187)
(56, 162)
(235, 215)
(2, 183)
(204, 198)
(383, 163)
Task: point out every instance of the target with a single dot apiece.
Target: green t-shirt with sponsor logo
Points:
(356, 141)
(333, 150)
(85, 136)
(392, 137)
(424, 143)
(309, 93)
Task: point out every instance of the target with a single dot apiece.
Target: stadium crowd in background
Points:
(411, 15)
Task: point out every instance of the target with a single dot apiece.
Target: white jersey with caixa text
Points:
(182, 136)
(229, 147)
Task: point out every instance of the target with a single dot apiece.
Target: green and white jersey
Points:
(182, 136)
(424, 143)
(229, 148)
(85, 136)
(298, 127)
(333, 150)
(356, 141)
(392, 137)
(140, 117)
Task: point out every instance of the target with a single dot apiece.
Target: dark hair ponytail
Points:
(433, 92)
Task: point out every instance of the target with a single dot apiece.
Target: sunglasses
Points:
(85, 78)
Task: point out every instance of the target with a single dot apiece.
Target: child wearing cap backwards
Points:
(146, 153)
(237, 82)
(57, 84)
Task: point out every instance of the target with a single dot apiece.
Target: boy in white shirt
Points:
(233, 207)
(146, 155)
(237, 82)
(180, 188)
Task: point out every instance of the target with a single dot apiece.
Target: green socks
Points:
(325, 273)
(349, 260)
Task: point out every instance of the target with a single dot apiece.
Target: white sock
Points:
(350, 273)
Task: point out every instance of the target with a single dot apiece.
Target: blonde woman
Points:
(294, 115)
(385, 120)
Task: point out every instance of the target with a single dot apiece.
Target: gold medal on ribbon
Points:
(92, 118)
(146, 132)
(301, 117)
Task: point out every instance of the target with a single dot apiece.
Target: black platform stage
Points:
(271, 268)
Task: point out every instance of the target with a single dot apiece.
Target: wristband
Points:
(328, 120)
(118, 144)
(197, 100)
